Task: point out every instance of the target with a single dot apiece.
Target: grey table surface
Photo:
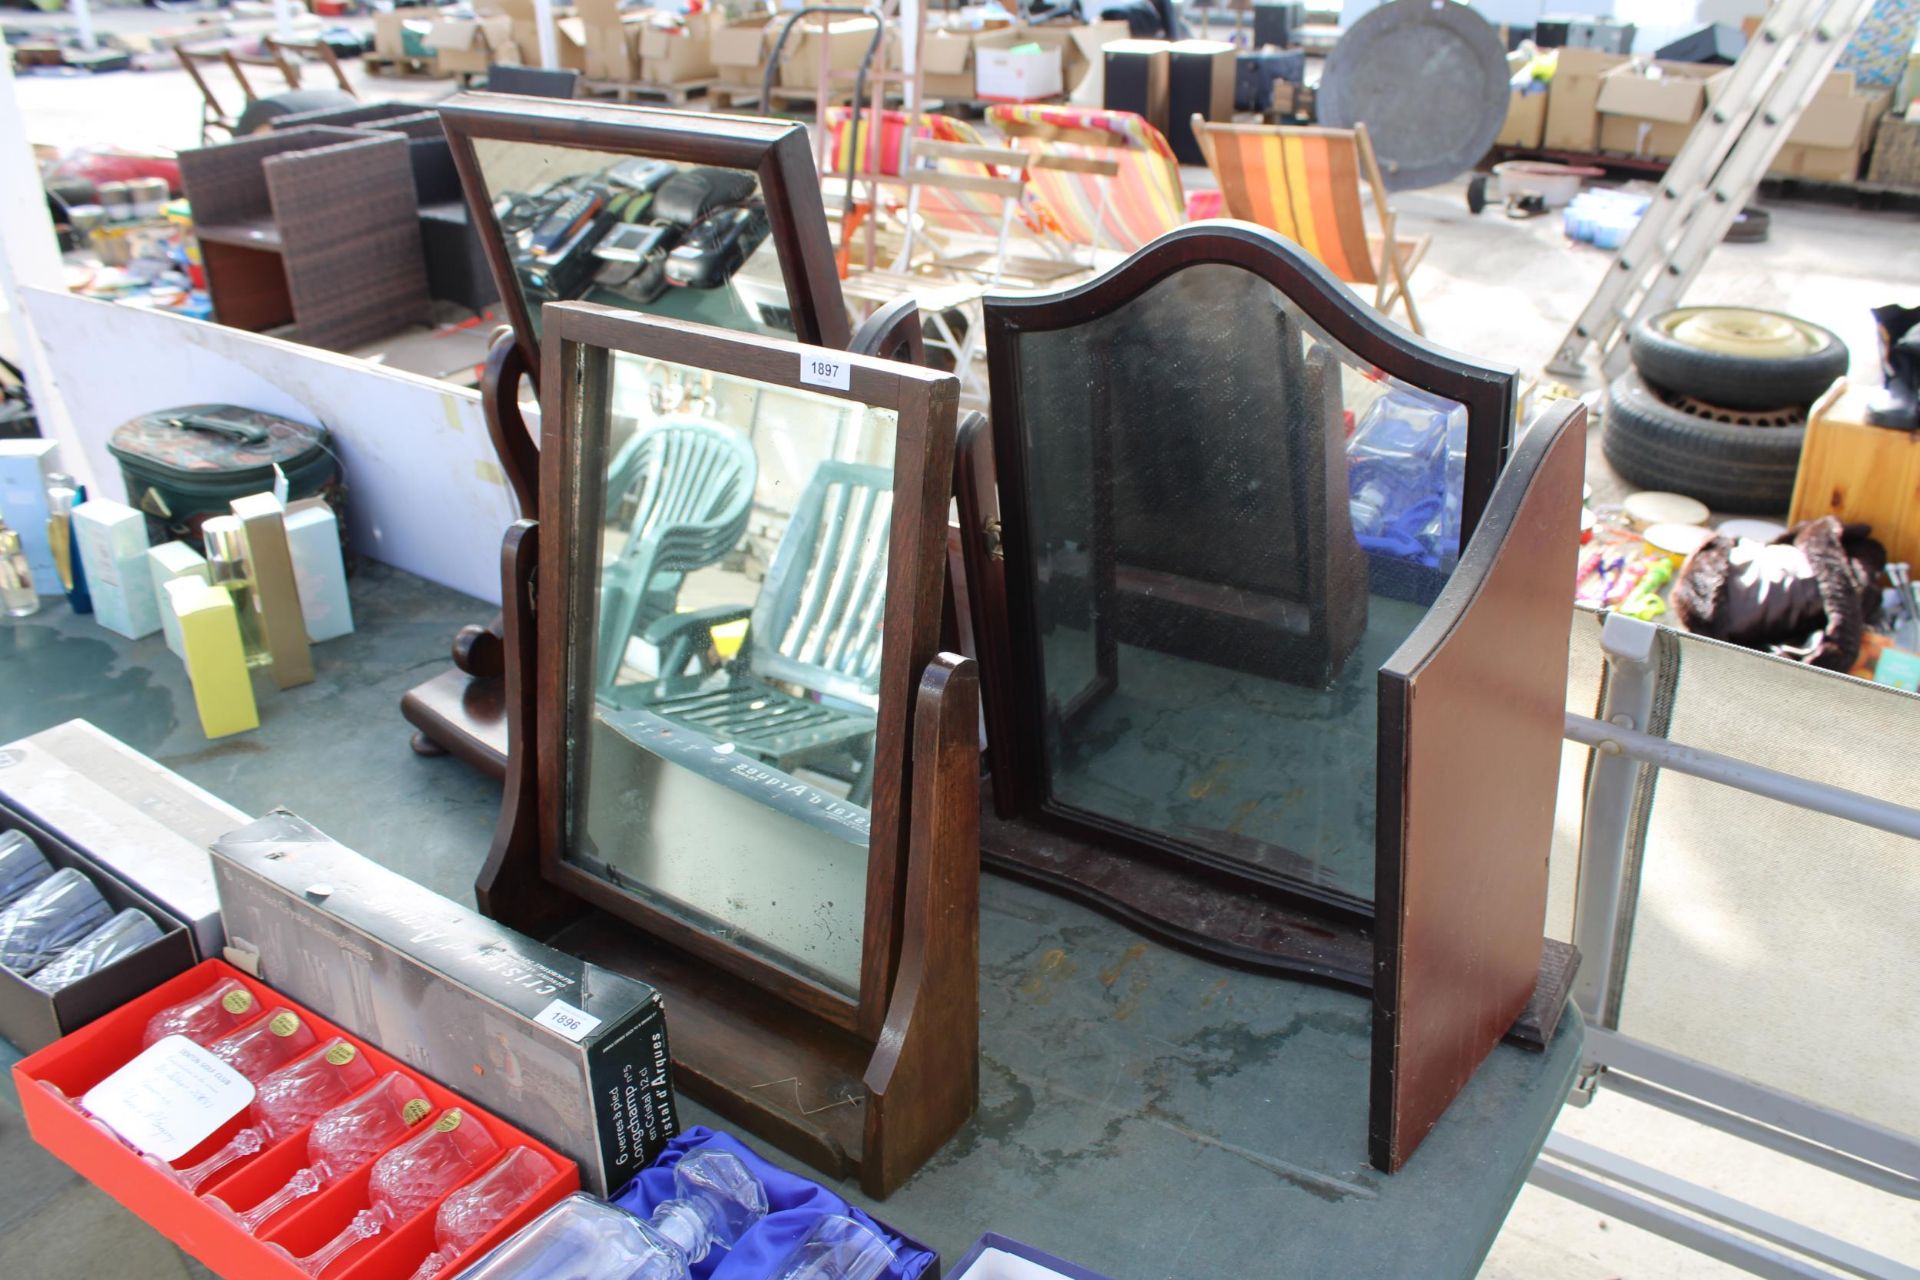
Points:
(1143, 1112)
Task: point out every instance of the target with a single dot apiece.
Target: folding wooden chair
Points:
(1305, 183)
(291, 55)
(213, 115)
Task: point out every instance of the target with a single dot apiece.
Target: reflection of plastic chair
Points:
(816, 625)
(691, 486)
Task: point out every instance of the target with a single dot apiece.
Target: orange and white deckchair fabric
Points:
(1305, 184)
(1138, 203)
(939, 207)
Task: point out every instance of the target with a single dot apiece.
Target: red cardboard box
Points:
(49, 1081)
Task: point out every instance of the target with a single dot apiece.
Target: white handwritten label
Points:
(817, 370)
(170, 1099)
(575, 1024)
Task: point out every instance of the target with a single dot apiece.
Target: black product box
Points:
(33, 1019)
(573, 1053)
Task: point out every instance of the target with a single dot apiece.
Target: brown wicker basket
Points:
(1896, 153)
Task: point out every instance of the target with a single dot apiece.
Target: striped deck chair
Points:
(1123, 209)
(1305, 184)
(955, 183)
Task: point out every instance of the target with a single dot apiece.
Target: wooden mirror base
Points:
(1228, 922)
(461, 714)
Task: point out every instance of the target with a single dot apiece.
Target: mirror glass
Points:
(726, 678)
(681, 240)
(1227, 540)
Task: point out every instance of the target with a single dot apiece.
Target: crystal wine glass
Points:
(341, 1141)
(259, 1050)
(289, 1099)
(223, 1007)
(408, 1180)
(483, 1204)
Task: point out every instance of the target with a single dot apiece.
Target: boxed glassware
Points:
(135, 818)
(995, 1257)
(253, 1133)
(575, 1053)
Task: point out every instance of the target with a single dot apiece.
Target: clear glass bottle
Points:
(18, 598)
(227, 568)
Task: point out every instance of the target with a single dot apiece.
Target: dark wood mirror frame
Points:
(872, 1085)
(462, 711)
(1497, 848)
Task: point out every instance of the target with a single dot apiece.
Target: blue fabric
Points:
(794, 1204)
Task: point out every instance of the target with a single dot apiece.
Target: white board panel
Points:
(425, 491)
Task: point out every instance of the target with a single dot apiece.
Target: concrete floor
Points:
(1495, 288)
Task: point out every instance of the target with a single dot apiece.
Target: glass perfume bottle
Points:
(408, 1180)
(716, 1198)
(288, 1100)
(18, 598)
(63, 495)
(483, 1204)
(341, 1141)
(224, 1007)
(227, 568)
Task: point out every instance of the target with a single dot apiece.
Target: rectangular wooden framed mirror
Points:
(742, 726)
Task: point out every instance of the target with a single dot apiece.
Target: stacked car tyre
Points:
(1715, 404)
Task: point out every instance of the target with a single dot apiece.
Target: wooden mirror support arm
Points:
(461, 711)
(924, 1079)
(892, 332)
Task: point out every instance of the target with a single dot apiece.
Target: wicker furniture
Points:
(317, 227)
(456, 260)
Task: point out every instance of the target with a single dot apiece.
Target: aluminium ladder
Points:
(1714, 175)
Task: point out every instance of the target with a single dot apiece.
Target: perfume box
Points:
(997, 1257)
(112, 537)
(51, 1081)
(24, 467)
(133, 817)
(276, 596)
(216, 656)
(319, 570)
(165, 563)
(573, 1053)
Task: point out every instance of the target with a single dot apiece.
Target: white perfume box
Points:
(113, 546)
(166, 562)
(24, 467)
(319, 570)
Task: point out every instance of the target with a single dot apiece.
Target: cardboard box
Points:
(946, 64)
(997, 1257)
(400, 37)
(166, 562)
(572, 1052)
(276, 592)
(677, 56)
(319, 570)
(112, 538)
(51, 1080)
(216, 656)
(524, 33)
(128, 814)
(1573, 120)
(1084, 60)
(467, 46)
(846, 40)
(739, 49)
(24, 468)
(1526, 122)
(610, 40)
(1654, 115)
(1006, 70)
(1819, 164)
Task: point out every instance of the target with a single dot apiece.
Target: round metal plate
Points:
(1429, 80)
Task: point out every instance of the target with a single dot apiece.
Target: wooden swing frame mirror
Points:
(869, 1082)
(461, 711)
(1393, 942)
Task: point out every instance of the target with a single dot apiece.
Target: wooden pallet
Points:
(404, 68)
(722, 96)
(674, 95)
